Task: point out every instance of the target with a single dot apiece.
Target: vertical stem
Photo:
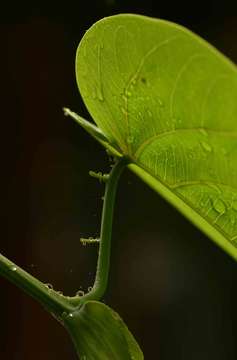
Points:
(50, 299)
(103, 263)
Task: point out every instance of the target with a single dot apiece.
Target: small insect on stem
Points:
(98, 175)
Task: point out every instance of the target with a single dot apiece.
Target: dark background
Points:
(174, 288)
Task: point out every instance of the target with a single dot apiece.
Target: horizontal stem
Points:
(103, 263)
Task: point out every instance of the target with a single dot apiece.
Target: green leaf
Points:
(167, 99)
(99, 333)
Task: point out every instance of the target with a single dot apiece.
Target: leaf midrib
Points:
(181, 198)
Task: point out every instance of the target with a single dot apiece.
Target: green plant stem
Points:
(54, 302)
(103, 263)
(49, 298)
(94, 131)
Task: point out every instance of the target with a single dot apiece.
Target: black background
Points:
(174, 288)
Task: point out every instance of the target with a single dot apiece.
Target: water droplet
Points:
(203, 132)
(160, 102)
(124, 111)
(219, 206)
(234, 205)
(80, 293)
(89, 288)
(207, 147)
(149, 113)
(13, 268)
(128, 93)
(100, 95)
(70, 315)
(49, 286)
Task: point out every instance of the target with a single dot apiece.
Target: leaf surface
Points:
(168, 100)
(99, 333)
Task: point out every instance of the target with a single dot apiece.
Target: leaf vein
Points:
(150, 140)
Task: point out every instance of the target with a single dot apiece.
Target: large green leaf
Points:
(168, 100)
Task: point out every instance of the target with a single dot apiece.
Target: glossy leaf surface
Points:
(168, 100)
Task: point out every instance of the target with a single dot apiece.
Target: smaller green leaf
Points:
(99, 333)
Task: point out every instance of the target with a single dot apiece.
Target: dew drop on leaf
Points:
(13, 268)
(206, 146)
(149, 113)
(160, 102)
(203, 132)
(124, 111)
(100, 95)
(49, 286)
(80, 293)
(128, 93)
(191, 155)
